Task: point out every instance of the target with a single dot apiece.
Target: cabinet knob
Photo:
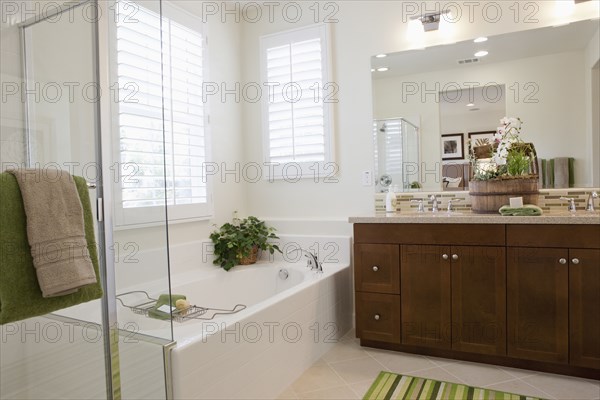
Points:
(455, 257)
(376, 317)
(575, 261)
(445, 256)
(563, 261)
(375, 268)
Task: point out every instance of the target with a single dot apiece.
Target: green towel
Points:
(20, 294)
(550, 173)
(528, 210)
(543, 174)
(162, 300)
(571, 172)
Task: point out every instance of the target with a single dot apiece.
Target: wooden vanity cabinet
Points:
(554, 293)
(519, 295)
(584, 307)
(377, 284)
(454, 297)
(450, 296)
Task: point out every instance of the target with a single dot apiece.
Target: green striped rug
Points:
(393, 386)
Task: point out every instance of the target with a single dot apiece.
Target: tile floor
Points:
(347, 371)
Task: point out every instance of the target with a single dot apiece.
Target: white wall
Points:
(364, 29)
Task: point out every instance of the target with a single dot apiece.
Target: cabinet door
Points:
(378, 317)
(584, 305)
(537, 290)
(479, 299)
(377, 268)
(425, 292)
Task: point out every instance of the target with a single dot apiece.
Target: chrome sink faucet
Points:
(571, 207)
(590, 201)
(435, 203)
(451, 203)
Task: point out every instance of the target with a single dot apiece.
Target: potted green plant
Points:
(238, 242)
(510, 169)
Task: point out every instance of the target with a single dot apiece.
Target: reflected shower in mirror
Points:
(396, 143)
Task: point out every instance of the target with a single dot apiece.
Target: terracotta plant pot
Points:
(250, 259)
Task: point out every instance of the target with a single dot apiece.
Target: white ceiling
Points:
(510, 46)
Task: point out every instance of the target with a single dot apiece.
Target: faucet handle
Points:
(571, 207)
(420, 208)
(451, 203)
(590, 202)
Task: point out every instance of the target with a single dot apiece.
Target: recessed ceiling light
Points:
(381, 56)
(481, 39)
(372, 69)
(470, 105)
(382, 69)
(481, 53)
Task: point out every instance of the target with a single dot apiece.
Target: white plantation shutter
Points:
(296, 119)
(162, 130)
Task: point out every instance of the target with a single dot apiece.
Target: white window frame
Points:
(311, 169)
(157, 215)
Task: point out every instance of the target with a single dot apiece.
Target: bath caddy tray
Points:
(192, 312)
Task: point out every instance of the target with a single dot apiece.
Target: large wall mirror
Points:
(548, 77)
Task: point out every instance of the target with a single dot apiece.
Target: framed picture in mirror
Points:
(481, 143)
(453, 146)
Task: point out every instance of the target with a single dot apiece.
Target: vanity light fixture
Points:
(480, 39)
(481, 53)
(381, 56)
(382, 69)
(430, 21)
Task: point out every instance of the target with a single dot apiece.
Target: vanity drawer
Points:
(457, 234)
(377, 268)
(378, 317)
(557, 236)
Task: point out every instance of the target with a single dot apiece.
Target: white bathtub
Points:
(258, 352)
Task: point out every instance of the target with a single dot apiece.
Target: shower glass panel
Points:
(81, 117)
(60, 355)
(396, 143)
(140, 149)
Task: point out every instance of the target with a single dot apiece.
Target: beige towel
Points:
(55, 230)
(561, 172)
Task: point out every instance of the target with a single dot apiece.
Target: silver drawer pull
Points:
(455, 257)
(575, 261)
(377, 317)
(445, 256)
(375, 268)
(563, 261)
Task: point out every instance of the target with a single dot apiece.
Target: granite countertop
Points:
(467, 217)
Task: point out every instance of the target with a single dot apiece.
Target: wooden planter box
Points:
(488, 196)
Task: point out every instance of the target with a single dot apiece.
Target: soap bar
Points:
(516, 202)
(166, 308)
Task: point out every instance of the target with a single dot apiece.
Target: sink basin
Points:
(579, 213)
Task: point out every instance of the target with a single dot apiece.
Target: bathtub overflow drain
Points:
(283, 274)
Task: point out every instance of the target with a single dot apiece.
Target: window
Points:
(297, 124)
(162, 131)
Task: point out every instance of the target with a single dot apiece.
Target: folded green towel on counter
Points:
(163, 299)
(528, 210)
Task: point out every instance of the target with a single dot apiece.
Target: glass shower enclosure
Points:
(73, 109)
(396, 143)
